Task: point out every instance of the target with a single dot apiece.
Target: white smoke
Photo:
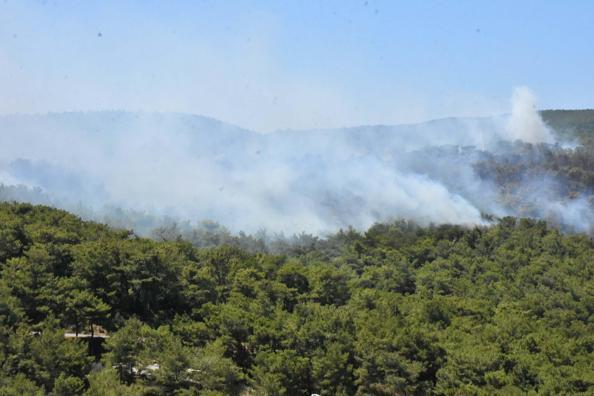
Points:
(191, 167)
(525, 123)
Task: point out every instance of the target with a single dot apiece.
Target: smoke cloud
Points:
(178, 166)
(525, 123)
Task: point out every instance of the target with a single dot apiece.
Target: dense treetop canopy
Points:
(398, 309)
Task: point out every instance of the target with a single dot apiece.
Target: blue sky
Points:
(295, 64)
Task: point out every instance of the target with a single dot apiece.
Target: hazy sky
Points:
(295, 64)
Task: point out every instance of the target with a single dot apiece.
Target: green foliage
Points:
(107, 383)
(19, 385)
(67, 386)
(399, 309)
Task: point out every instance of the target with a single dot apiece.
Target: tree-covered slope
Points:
(577, 124)
(184, 167)
(398, 309)
(191, 167)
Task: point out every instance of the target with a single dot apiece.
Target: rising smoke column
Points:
(525, 123)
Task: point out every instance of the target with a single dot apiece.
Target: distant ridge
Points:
(576, 124)
(194, 167)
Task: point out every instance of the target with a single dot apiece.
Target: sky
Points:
(268, 65)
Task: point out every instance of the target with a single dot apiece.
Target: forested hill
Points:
(135, 170)
(577, 124)
(398, 309)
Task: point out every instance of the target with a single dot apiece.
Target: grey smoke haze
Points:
(191, 167)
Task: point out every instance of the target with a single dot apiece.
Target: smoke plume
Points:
(525, 123)
(152, 166)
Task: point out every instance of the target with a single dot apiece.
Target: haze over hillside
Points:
(196, 168)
